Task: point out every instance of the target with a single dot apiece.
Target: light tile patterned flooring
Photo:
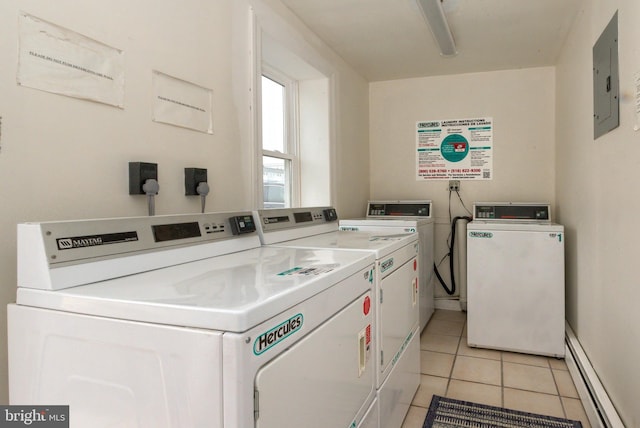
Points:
(516, 381)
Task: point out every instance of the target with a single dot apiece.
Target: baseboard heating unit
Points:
(596, 401)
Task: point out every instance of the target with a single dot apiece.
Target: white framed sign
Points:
(460, 149)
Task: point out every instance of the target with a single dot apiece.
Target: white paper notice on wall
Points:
(58, 60)
(181, 103)
(460, 149)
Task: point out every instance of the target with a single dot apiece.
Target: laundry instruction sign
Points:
(460, 149)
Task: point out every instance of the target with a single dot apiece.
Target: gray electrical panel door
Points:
(605, 80)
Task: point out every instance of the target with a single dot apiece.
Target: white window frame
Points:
(291, 135)
(274, 48)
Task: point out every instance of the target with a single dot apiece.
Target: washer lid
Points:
(233, 292)
(381, 244)
(386, 222)
(514, 226)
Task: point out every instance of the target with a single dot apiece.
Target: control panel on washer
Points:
(511, 211)
(63, 254)
(289, 218)
(399, 209)
(75, 241)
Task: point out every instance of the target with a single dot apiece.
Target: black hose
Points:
(452, 290)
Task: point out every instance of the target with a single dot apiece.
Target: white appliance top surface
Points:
(381, 244)
(233, 292)
(387, 221)
(511, 225)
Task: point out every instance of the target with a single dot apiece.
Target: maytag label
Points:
(95, 240)
(34, 416)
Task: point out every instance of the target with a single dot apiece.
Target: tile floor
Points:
(523, 382)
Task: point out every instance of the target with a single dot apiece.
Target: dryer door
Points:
(397, 314)
(325, 380)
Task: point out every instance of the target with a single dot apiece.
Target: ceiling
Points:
(389, 39)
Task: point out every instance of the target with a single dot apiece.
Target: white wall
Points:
(64, 158)
(598, 204)
(351, 165)
(521, 103)
(315, 153)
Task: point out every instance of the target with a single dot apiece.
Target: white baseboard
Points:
(448, 304)
(595, 400)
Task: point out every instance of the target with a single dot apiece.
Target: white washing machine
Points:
(187, 321)
(405, 216)
(515, 279)
(396, 294)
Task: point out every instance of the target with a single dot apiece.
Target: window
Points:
(293, 114)
(279, 142)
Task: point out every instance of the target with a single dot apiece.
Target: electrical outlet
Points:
(193, 177)
(454, 185)
(139, 172)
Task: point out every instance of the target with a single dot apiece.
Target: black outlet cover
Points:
(192, 177)
(139, 172)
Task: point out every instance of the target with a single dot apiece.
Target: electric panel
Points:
(605, 80)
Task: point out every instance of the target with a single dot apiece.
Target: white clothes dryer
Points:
(187, 321)
(396, 294)
(405, 216)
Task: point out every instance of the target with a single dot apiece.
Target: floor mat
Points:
(449, 413)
